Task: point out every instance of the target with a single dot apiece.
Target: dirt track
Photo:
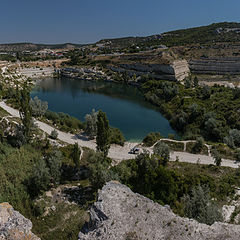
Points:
(117, 152)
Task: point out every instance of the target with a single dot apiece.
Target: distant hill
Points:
(216, 32)
(18, 47)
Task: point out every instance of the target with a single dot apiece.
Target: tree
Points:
(41, 177)
(39, 107)
(103, 133)
(76, 155)
(198, 205)
(100, 172)
(162, 149)
(195, 81)
(206, 92)
(54, 134)
(25, 112)
(188, 82)
(54, 161)
(237, 153)
(217, 157)
(91, 123)
(233, 139)
(198, 145)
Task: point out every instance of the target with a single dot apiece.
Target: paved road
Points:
(117, 152)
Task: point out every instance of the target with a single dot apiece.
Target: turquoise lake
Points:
(124, 105)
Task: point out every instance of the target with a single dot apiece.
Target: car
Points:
(135, 150)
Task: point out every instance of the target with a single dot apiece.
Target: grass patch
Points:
(174, 146)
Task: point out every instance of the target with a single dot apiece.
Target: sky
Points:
(88, 21)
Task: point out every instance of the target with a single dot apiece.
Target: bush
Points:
(217, 157)
(116, 137)
(151, 138)
(198, 205)
(54, 134)
(198, 146)
(39, 107)
(238, 154)
(163, 151)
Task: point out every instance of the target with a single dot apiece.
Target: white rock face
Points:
(227, 211)
(36, 72)
(13, 225)
(215, 66)
(120, 214)
(176, 71)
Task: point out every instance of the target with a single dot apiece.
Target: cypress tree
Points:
(103, 133)
(25, 112)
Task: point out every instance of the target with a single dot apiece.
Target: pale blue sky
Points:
(86, 21)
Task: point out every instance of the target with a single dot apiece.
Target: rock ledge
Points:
(120, 214)
(13, 225)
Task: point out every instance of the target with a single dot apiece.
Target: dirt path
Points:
(117, 152)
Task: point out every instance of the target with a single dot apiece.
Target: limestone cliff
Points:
(14, 226)
(216, 66)
(176, 71)
(120, 214)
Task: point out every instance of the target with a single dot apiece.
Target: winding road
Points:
(119, 153)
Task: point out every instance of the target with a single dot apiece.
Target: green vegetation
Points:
(38, 107)
(26, 112)
(103, 133)
(76, 155)
(202, 111)
(64, 121)
(168, 185)
(198, 205)
(151, 138)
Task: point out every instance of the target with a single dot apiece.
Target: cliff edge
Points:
(120, 214)
(13, 225)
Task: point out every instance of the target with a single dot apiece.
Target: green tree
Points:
(54, 162)
(163, 151)
(195, 81)
(103, 133)
(41, 176)
(198, 146)
(76, 155)
(198, 205)
(39, 107)
(54, 134)
(237, 154)
(91, 123)
(217, 157)
(25, 112)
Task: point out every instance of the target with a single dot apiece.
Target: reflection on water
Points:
(124, 105)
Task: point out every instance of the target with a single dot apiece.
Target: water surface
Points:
(124, 105)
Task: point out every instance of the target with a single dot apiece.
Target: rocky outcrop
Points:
(120, 214)
(14, 226)
(215, 66)
(176, 71)
(36, 72)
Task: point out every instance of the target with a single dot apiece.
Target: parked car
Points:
(135, 150)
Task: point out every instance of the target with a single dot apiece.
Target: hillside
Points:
(216, 32)
(19, 47)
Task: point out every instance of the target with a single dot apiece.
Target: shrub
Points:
(163, 151)
(198, 205)
(151, 138)
(116, 136)
(39, 107)
(54, 134)
(198, 146)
